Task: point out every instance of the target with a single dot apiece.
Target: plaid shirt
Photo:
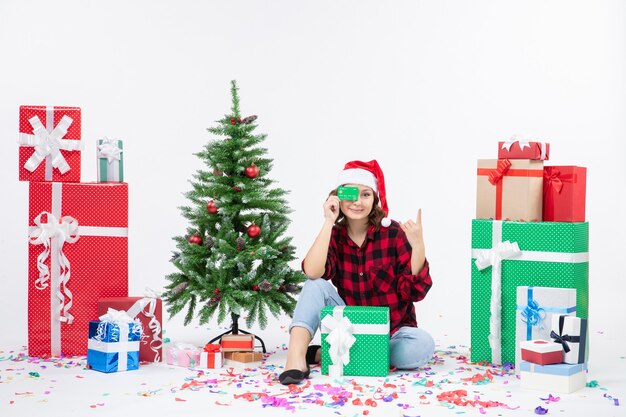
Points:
(378, 273)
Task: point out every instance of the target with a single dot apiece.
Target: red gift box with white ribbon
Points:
(78, 253)
(541, 352)
(148, 310)
(521, 149)
(50, 143)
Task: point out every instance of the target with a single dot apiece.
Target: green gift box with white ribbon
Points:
(355, 341)
(506, 255)
(110, 157)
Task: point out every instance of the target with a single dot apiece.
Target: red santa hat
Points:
(370, 175)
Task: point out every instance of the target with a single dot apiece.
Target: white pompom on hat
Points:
(370, 175)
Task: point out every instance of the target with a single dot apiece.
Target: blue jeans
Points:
(409, 347)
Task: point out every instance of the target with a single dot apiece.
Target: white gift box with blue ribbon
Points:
(535, 308)
(114, 342)
(561, 377)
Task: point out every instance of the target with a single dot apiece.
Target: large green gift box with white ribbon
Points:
(355, 341)
(506, 255)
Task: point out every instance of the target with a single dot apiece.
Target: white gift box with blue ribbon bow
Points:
(535, 308)
(114, 342)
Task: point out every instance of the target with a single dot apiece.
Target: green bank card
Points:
(348, 193)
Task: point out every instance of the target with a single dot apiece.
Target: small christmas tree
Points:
(234, 258)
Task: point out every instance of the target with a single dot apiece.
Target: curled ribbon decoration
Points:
(49, 144)
(340, 338)
(154, 325)
(533, 315)
(64, 231)
(496, 175)
(110, 150)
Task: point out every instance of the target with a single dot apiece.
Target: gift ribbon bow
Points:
(211, 347)
(503, 250)
(340, 338)
(552, 177)
(48, 143)
(522, 143)
(533, 315)
(44, 232)
(563, 338)
(110, 150)
(119, 323)
(501, 168)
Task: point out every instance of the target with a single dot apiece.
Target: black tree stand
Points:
(234, 329)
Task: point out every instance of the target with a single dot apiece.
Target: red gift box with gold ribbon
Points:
(78, 253)
(50, 145)
(564, 193)
(509, 189)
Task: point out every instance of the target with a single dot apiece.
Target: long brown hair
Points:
(374, 218)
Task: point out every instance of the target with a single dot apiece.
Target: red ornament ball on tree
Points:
(216, 291)
(255, 287)
(252, 171)
(195, 239)
(211, 207)
(253, 230)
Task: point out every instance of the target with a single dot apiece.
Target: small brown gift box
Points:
(509, 189)
(243, 359)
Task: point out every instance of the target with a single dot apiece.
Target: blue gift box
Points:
(113, 346)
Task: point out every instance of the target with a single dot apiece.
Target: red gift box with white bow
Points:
(520, 149)
(78, 254)
(50, 143)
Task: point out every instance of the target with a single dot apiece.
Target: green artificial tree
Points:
(234, 258)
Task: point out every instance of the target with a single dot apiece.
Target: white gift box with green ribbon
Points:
(110, 156)
(355, 341)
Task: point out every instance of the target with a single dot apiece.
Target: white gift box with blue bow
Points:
(114, 342)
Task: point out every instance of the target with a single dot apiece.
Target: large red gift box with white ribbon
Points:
(49, 139)
(148, 310)
(78, 254)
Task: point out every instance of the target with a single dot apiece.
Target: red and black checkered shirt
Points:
(378, 273)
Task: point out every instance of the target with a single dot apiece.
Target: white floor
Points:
(57, 387)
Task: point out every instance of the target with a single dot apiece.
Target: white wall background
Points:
(425, 87)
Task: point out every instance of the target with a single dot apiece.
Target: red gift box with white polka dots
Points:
(78, 254)
(49, 143)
